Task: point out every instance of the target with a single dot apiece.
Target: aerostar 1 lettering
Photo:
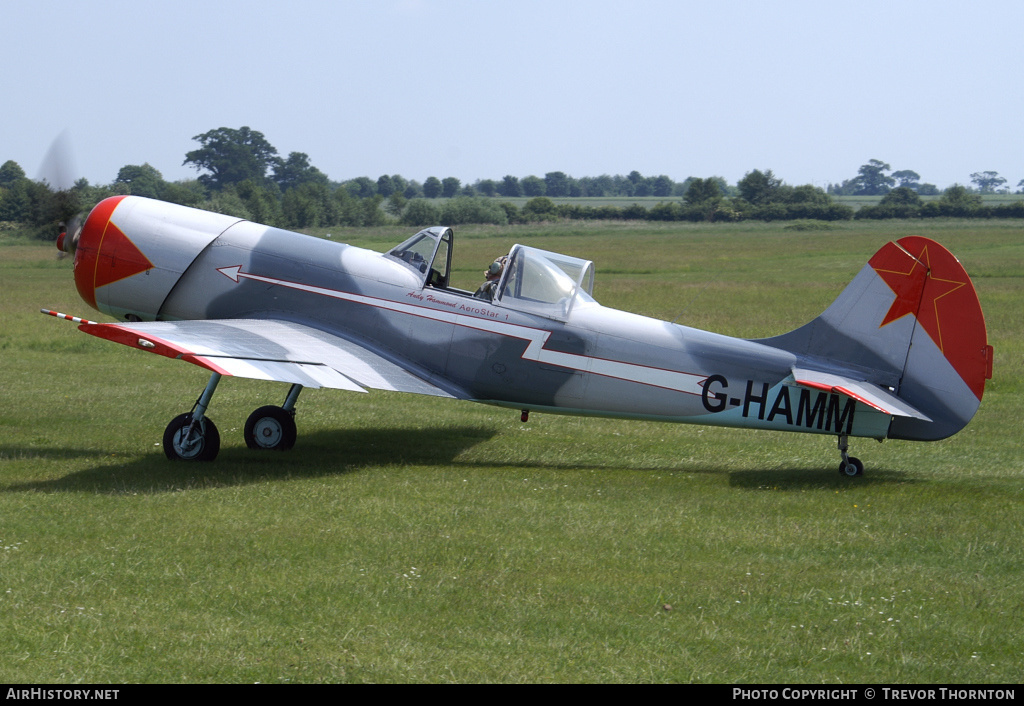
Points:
(479, 311)
(469, 309)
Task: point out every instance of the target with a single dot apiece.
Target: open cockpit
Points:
(533, 280)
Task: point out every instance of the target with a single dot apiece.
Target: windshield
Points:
(418, 252)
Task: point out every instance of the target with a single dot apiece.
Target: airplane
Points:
(902, 353)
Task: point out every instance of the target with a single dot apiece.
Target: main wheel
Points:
(852, 468)
(270, 428)
(201, 445)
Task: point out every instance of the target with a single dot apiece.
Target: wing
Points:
(265, 349)
(872, 395)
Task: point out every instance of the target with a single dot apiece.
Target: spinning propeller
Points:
(58, 170)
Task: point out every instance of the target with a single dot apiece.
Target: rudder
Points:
(910, 322)
(949, 358)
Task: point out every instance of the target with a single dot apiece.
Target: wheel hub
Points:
(268, 432)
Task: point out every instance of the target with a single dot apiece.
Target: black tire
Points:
(205, 437)
(270, 428)
(852, 469)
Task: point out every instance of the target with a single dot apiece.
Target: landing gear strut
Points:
(194, 437)
(191, 436)
(849, 466)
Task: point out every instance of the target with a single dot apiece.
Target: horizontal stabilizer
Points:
(872, 395)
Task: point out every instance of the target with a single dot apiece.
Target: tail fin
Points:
(910, 321)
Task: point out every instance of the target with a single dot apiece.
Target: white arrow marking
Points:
(536, 338)
(231, 272)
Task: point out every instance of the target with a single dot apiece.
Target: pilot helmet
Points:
(495, 268)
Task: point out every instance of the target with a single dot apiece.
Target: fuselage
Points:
(592, 360)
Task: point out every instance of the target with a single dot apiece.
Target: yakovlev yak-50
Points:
(902, 353)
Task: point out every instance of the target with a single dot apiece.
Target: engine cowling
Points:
(132, 251)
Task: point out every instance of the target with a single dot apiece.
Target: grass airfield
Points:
(410, 539)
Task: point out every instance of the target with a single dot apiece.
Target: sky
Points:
(478, 89)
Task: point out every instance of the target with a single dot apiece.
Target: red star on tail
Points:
(932, 285)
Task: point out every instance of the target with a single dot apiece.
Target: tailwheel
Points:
(851, 467)
(188, 440)
(270, 428)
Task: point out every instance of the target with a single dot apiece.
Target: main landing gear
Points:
(194, 436)
(272, 428)
(849, 466)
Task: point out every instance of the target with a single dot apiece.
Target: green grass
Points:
(408, 539)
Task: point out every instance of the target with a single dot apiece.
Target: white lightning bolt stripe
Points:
(536, 338)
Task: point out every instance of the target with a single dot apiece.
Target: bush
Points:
(540, 208)
(1009, 210)
(891, 210)
(511, 212)
(420, 213)
(634, 212)
(947, 209)
(666, 212)
(467, 209)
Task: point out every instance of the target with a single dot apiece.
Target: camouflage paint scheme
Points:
(902, 353)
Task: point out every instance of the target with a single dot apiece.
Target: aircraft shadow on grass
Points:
(336, 452)
(325, 453)
(810, 478)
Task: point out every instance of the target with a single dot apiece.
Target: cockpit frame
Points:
(537, 281)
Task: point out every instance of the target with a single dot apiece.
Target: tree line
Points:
(242, 174)
(873, 179)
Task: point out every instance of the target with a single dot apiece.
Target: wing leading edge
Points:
(263, 349)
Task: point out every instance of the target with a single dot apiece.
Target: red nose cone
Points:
(90, 242)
